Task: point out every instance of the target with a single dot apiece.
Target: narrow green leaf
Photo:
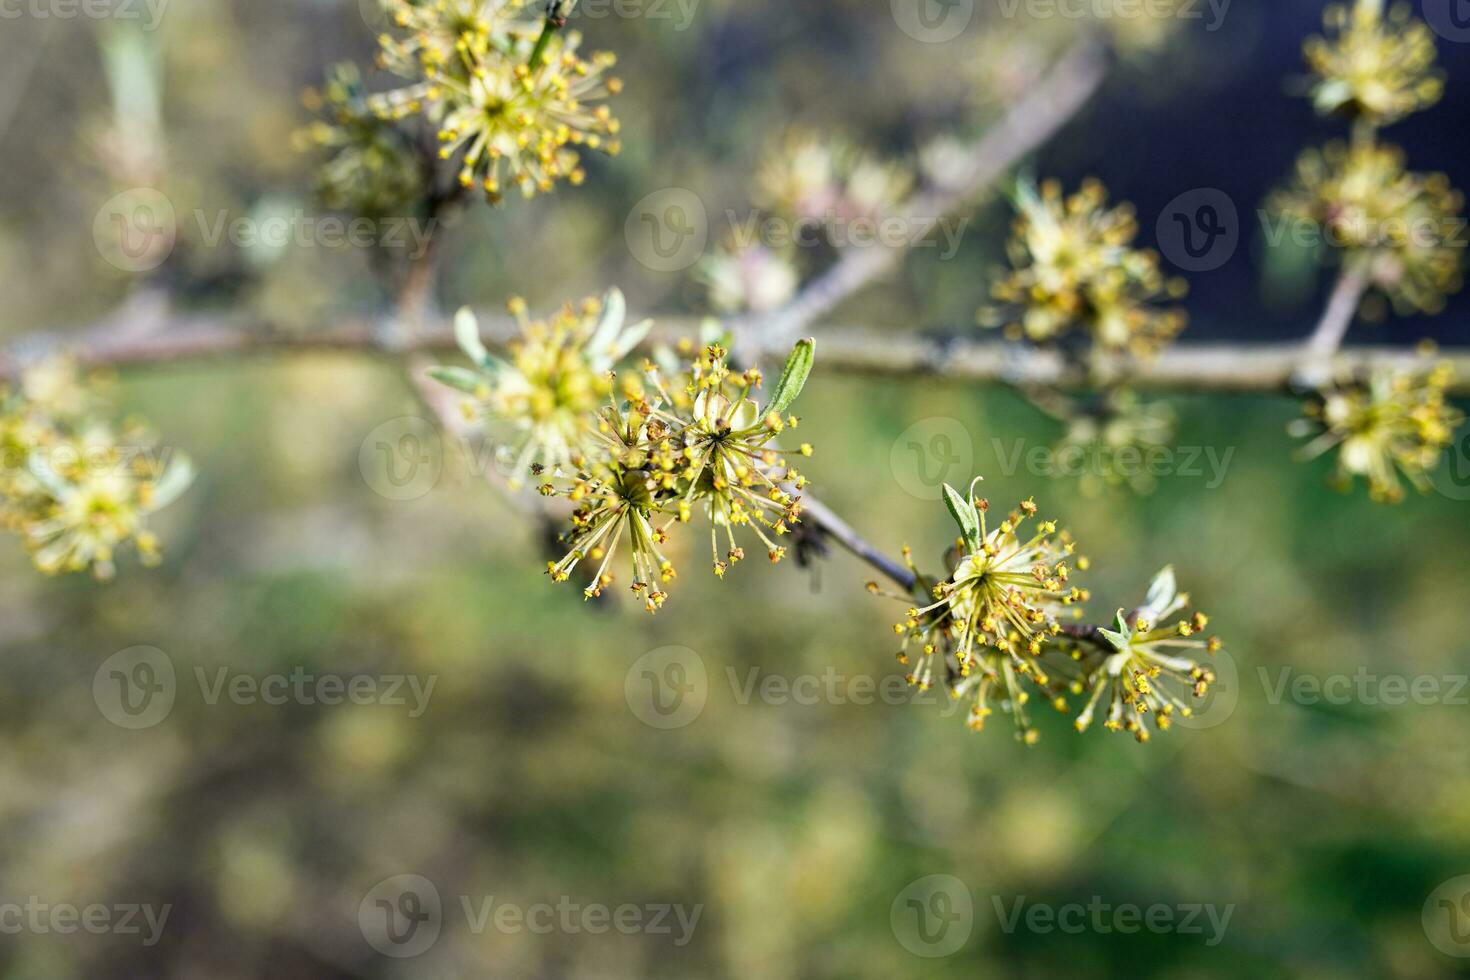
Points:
(964, 514)
(1118, 640)
(793, 376)
(467, 333)
(458, 378)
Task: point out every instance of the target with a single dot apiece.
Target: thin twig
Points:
(1326, 340)
(146, 334)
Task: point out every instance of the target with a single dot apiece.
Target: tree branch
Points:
(147, 333)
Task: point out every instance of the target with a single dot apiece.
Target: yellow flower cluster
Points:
(75, 489)
(512, 98)
(639, 454)
(1396, 424)
(1402, 229)
(372, 168)
(809, 176)
(1377, 64)
(992, 631)
(1074, 269)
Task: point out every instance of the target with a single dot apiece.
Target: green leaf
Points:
(175, 480)
(1118, 640)
(964, 514)
(458, 378)
(793, 376)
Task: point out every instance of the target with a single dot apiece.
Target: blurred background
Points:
(541, 766)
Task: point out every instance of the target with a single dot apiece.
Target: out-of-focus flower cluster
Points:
(1402, 229)
(1002, 625)
(512, 99)
(372, 168)
(1375, 64)
(1110, 439)
(73, 486)
(640, 452)
(1074, 270)
(812, 192)
(1395, 424)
